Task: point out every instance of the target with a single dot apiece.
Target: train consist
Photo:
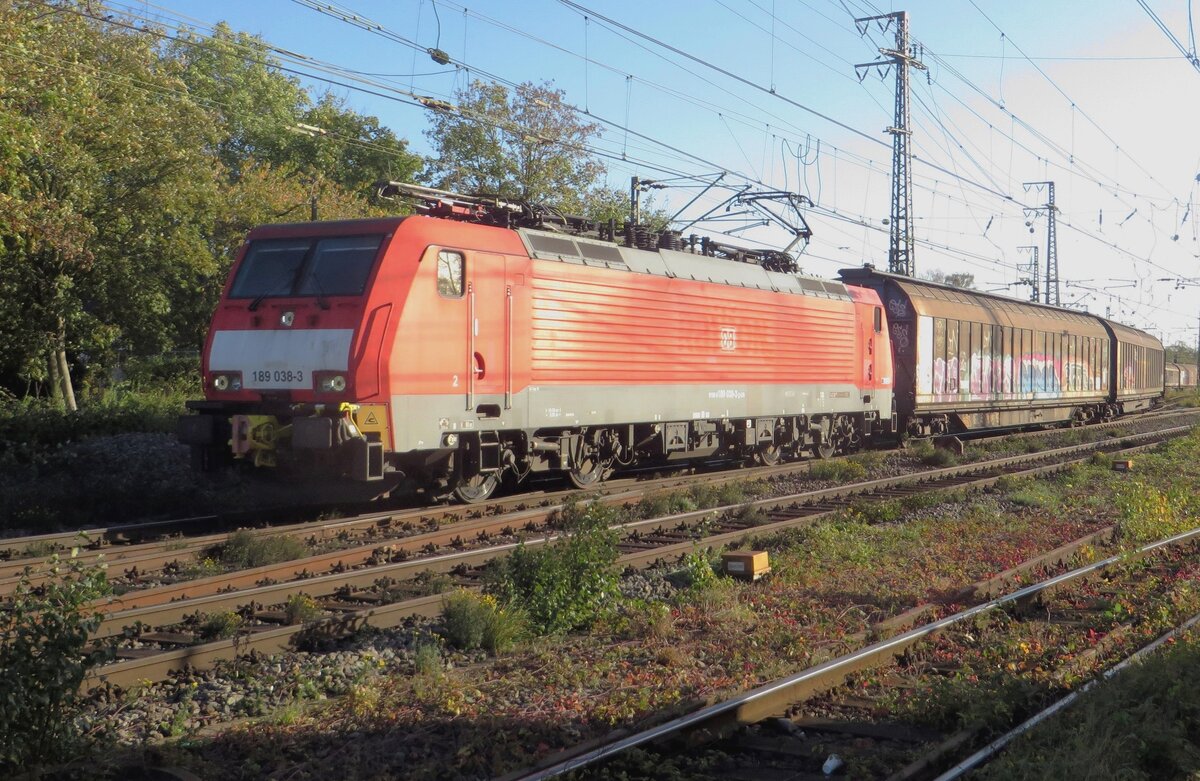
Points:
(459, 346)
(1180, 375)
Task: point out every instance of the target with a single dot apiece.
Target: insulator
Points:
(670, 239)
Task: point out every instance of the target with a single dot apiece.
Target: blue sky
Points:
(1114, 129)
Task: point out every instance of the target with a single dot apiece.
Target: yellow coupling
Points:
(256, 436)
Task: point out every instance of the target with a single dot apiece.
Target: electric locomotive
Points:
(455, 347)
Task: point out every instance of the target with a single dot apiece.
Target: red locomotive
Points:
(457, 347)
(453, 352)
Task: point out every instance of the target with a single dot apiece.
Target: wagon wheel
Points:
(478, 488)
(768, 455)
(824, 450)
(590, 471)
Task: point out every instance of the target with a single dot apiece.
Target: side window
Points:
(450, 274)
(878, 319)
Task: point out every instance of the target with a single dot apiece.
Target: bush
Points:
(565, 584)
(219, 626)
(43, 634)
(301, 608)
(32, 429)
(244, 550)
(473, 620)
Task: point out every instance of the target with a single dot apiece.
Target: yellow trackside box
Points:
(1123, 465)
(750, 565)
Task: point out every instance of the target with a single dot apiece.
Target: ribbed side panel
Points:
(601, 326)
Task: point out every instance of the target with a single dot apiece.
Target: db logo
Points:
(728, 339)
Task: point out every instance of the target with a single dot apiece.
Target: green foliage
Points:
(840, 470)
(473, 620)
(698, 570)
(219, 626)
(870, 459)
(563, 585)
(1033, 493)
(1149, 513)
(130, 172)
(1140, 725)
(521, 144)
(43, 633)
(244, 549)
(888, 511)
(32, 430)
(301, 608)
(967, 701)
(929, 455)
(427, 659)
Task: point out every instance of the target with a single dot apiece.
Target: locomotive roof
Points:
(545, 245)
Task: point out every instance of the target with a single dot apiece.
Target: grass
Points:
(1140, 725)
(472, 620)
(244, 550)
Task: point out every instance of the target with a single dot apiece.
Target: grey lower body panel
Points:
(420, 422)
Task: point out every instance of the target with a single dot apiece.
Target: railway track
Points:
(154, 629)
(775, 731)
(149, 546)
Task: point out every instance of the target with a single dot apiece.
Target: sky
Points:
(1092, 95)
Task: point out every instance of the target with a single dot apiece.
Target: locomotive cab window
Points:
(450, 274)
(306, 266)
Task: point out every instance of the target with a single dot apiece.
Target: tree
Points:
(526, 144)
(604, 203)
(961, 280)
(106, 171)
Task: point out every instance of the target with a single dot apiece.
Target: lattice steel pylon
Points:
(1051, 239)
(1032, 270)
(903, 57)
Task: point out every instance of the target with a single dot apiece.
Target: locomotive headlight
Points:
(231, 381)
(332, 383)
(451, 440)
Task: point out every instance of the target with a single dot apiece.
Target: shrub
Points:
(301, 608)
(940, 457)
(219, 626)
(43, 634)
(473, 620)
(31, 429)
(565, 584)
(646, 618)
(244, 549)
(427, 659)
(698, 570)
(887, 511)
(871, 459)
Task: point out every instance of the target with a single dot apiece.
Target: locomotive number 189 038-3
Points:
(277, 375)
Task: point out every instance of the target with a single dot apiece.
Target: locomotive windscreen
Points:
(313, 266)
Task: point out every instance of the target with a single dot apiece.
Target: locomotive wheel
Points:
(768, 455)
(589, 473)
(477, 488)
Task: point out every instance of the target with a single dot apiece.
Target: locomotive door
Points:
(489, 336)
